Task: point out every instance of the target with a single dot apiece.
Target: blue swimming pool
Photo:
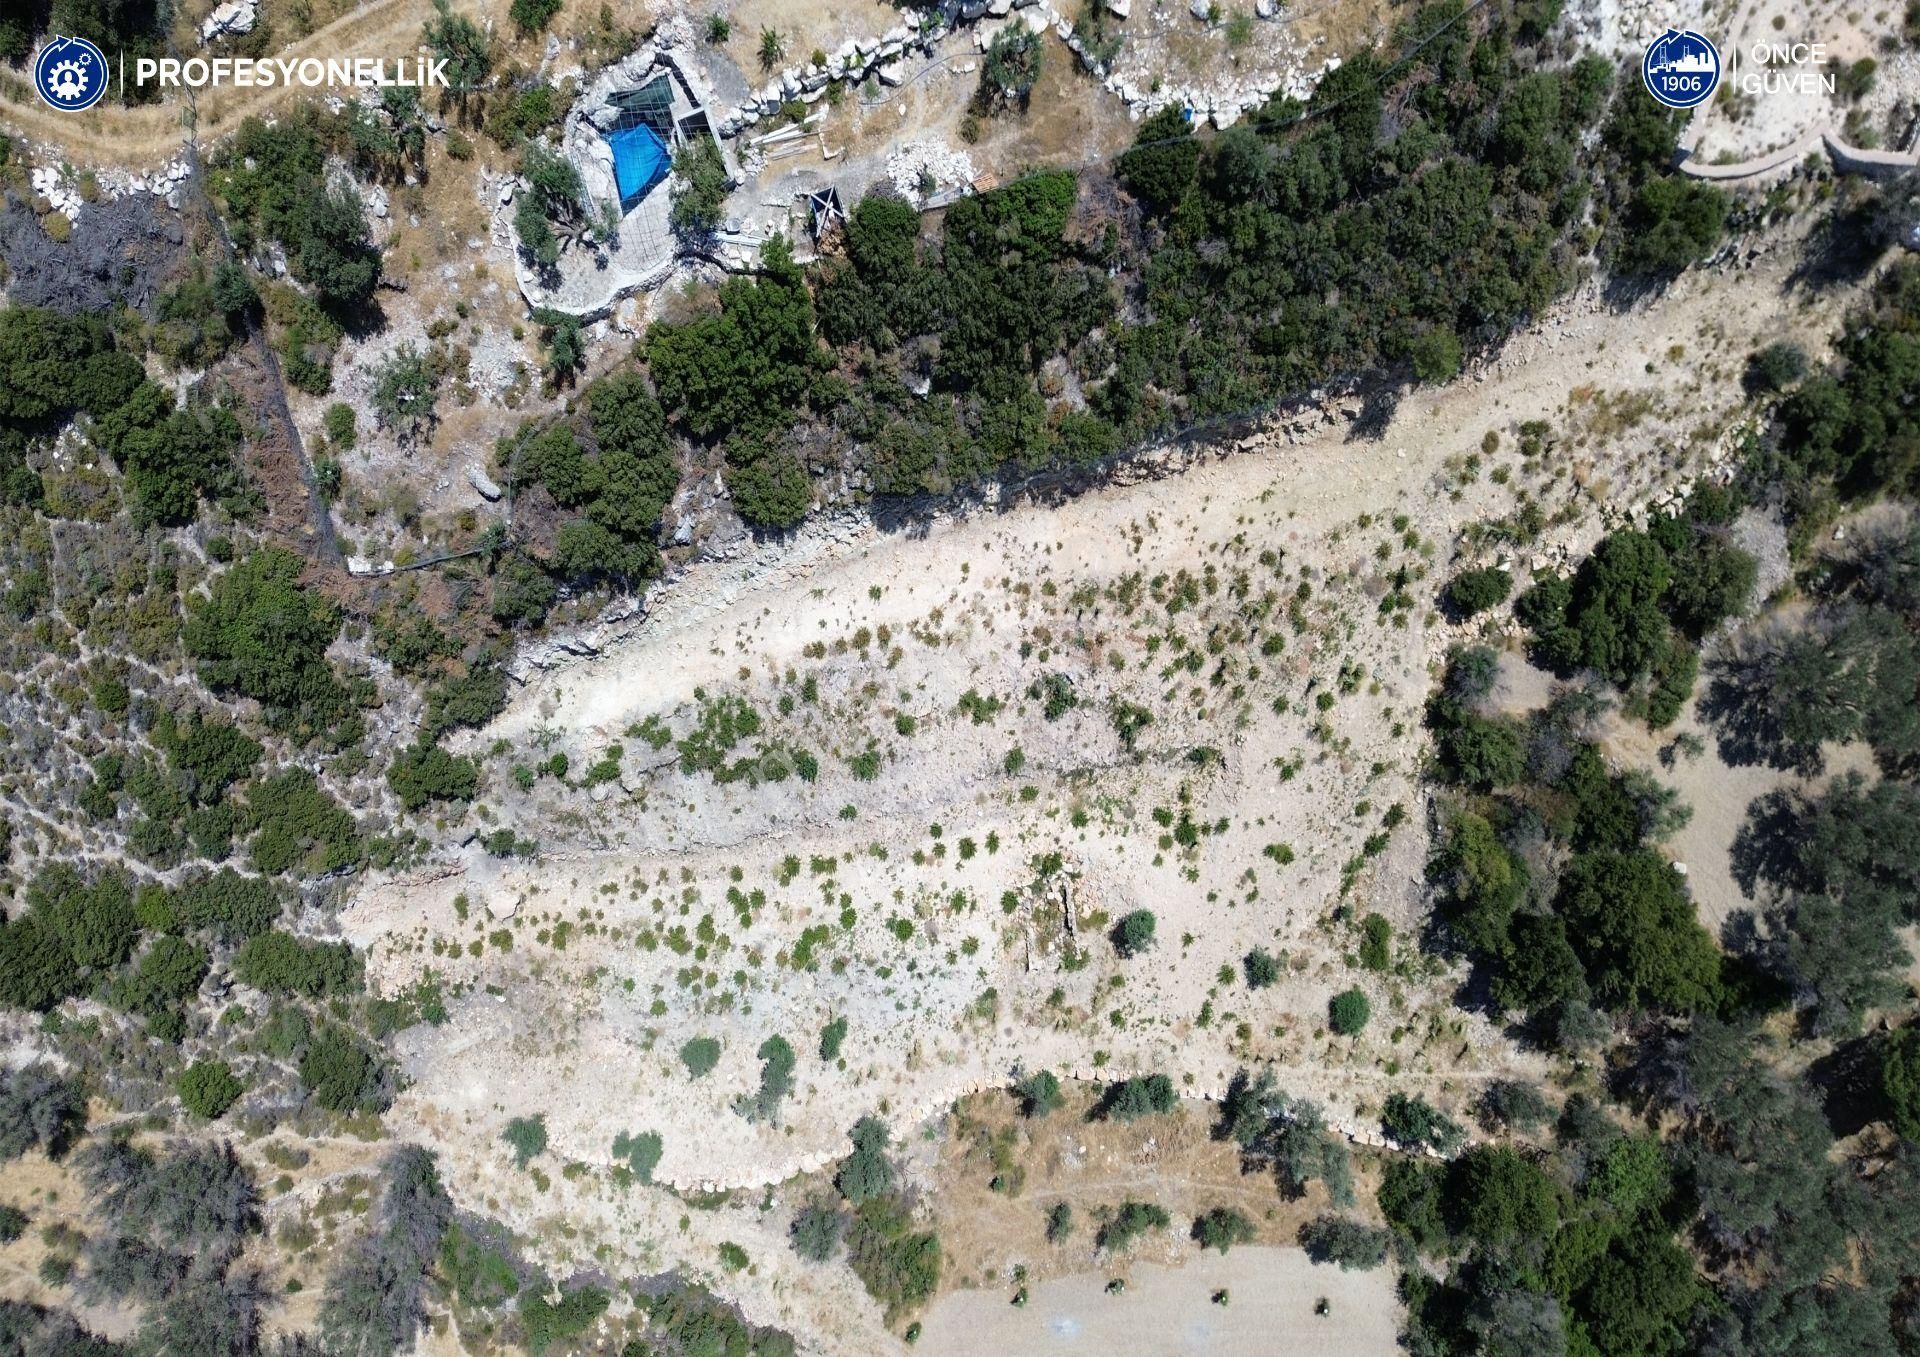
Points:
(640, 160)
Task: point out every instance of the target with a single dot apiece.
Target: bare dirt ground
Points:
(908, 886)
(1272, 1295)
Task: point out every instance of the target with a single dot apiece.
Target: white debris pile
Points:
(233, 19)
(50, 184)
(912, 165)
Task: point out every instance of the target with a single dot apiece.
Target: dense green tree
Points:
(1474, 591)
(528, 1138)
(1262, 970)
(753, 364)
(260, 634)
(279, 963)
(1609, 616)
(1128, 1222)
(335, 253)
(1900, 1081)
(342, 1074)
(1223, 1227)
(700, 188)
(1498, 1197)
(426, 772)
(1013, 63)
(1634, 927)
(1338, 1239)
(1484, 880)
(866, 1172)
(1141, 1096)
(462, 44)
(1038, 1093)
(1415, 1124)
(1162, 164)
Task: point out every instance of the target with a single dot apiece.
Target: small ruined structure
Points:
(825, 215)
(621, 135)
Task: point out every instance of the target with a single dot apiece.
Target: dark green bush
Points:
(1348, 1012)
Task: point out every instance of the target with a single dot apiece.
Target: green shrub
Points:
(700, 1055)
(426, 772)
(1261, 968)
(899, 1266)
(342, 1074)
(831, 1038)
(528, 1137)
(1376, 942)
(1348, 1012)
(480, 1275)
(548, 1322)
(279, 963)
(208, 1088)
(1475, 591)
(1038, 1094)
(642, 1153)
(1222, 1228)
(1131, 1220)
(1134, 933)
(816, 1231)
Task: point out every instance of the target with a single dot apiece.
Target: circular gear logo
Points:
(71, 74)
(1681, 68)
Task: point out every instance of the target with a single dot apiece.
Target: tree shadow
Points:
(1377, 409)
(1847, 1080)
(1747, 735)
(1764, 848)
(1843, 249)
(1626, 291)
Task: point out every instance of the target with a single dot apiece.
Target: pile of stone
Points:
(64, 198)
(883, 58)
(912, 165)
(235, 18)
(1224, 102)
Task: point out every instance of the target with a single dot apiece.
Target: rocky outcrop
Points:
(233, 19)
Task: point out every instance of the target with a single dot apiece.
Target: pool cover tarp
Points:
(640, 160)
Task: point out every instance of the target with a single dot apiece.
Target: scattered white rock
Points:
(232, 19)
(477, 477)
(947, 167)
